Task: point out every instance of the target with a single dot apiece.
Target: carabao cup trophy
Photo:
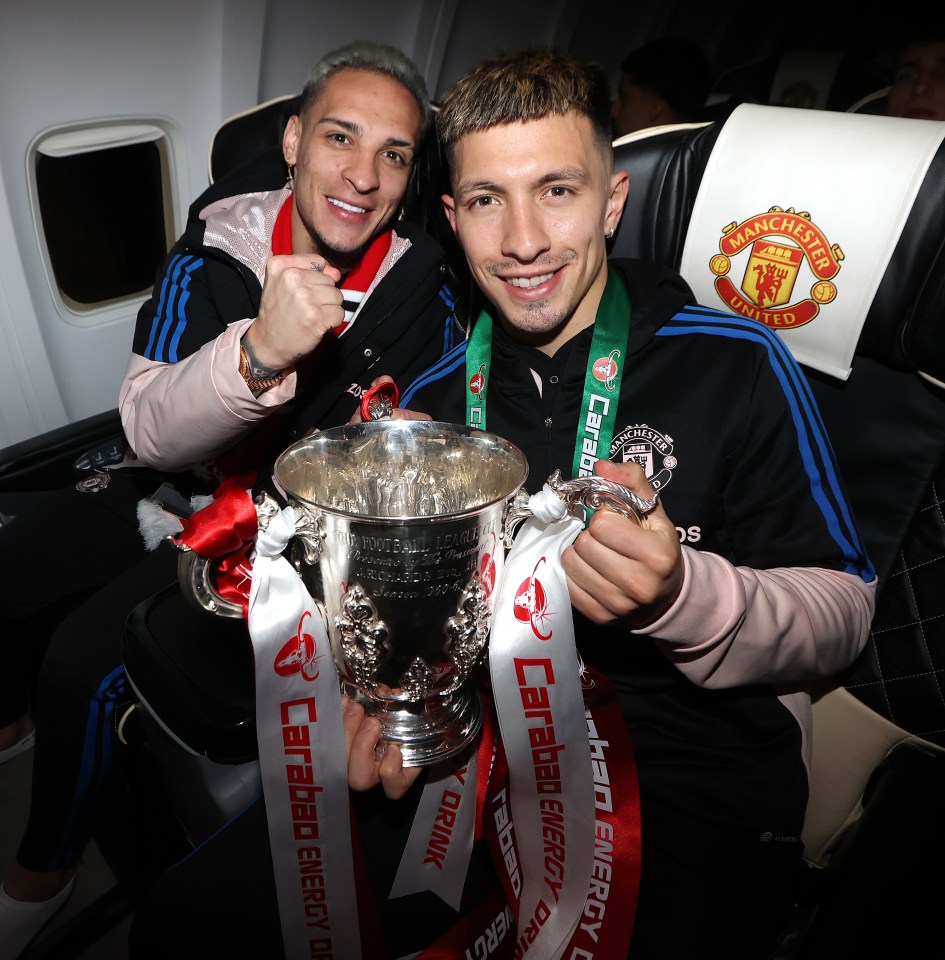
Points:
(401, 532)
(401, 541)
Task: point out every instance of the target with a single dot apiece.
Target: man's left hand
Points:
(620, 571)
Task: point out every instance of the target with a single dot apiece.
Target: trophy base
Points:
(426, 731)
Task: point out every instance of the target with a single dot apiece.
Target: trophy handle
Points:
(593, 492)
(193, 576)
(194, 572)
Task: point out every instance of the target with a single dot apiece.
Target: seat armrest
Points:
(61, 456)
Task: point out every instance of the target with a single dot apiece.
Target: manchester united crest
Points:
(779, 249)
(648, 447)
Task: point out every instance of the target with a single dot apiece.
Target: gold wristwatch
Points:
(257, 378)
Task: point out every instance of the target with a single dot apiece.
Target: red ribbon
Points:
(226, 525)
(225, 532)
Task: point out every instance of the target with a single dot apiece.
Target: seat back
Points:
(855, 255)
(874, 102)
(243, 136)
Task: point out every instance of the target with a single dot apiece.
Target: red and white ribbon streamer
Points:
(302, 756)
(440, 844)
(536, 683)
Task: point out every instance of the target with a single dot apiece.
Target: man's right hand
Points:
(371, 760)
(300, 304)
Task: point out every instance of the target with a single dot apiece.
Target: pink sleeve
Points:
(178, 414)
(735, 625)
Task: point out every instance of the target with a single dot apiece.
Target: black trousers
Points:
(73, 565)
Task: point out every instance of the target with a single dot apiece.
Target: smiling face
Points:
(353, 150)
(531, 204)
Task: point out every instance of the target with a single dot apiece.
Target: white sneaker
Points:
(25, 744)
(20, 922)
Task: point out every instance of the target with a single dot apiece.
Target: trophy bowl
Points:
(402, 539)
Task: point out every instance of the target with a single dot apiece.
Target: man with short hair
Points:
(742, 584)
(215, 355)
(918, 87)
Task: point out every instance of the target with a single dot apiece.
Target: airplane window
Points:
(103, 217)
(103, 201)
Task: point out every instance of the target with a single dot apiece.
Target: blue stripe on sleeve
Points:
(170, 320)
(98, 756)
(446, 295)
(813, 441)
(444, 366)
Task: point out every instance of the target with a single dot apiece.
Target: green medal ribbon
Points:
(478, 357)
(601, 381)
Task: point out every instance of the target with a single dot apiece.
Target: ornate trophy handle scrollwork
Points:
(194, 571)
(593, 492)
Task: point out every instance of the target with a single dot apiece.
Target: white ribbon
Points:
(440, 844)
(302, 756)
(536, 683)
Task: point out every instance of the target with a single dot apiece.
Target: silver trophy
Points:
(401, 529)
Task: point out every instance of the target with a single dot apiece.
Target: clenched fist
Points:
(300, 304)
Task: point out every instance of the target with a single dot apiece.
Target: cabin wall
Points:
(63, 62)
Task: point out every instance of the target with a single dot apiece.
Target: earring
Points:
(291, 168)
(610, 234)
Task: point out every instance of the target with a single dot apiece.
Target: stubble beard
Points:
(344, 260)
(537, 320)
(538, 323)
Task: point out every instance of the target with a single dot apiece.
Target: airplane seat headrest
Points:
(665, 165)
(906, 323)
(242, 137)
(827, 226)
(808, 79)
(874, 102)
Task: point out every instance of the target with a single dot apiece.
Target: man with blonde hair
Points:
(277, 307)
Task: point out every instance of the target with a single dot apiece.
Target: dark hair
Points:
(526, 85)
(675, 69)
(375, 58)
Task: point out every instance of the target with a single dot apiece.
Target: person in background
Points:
(251, 337)
(665, 81)
(746, 580)
(918, 86)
